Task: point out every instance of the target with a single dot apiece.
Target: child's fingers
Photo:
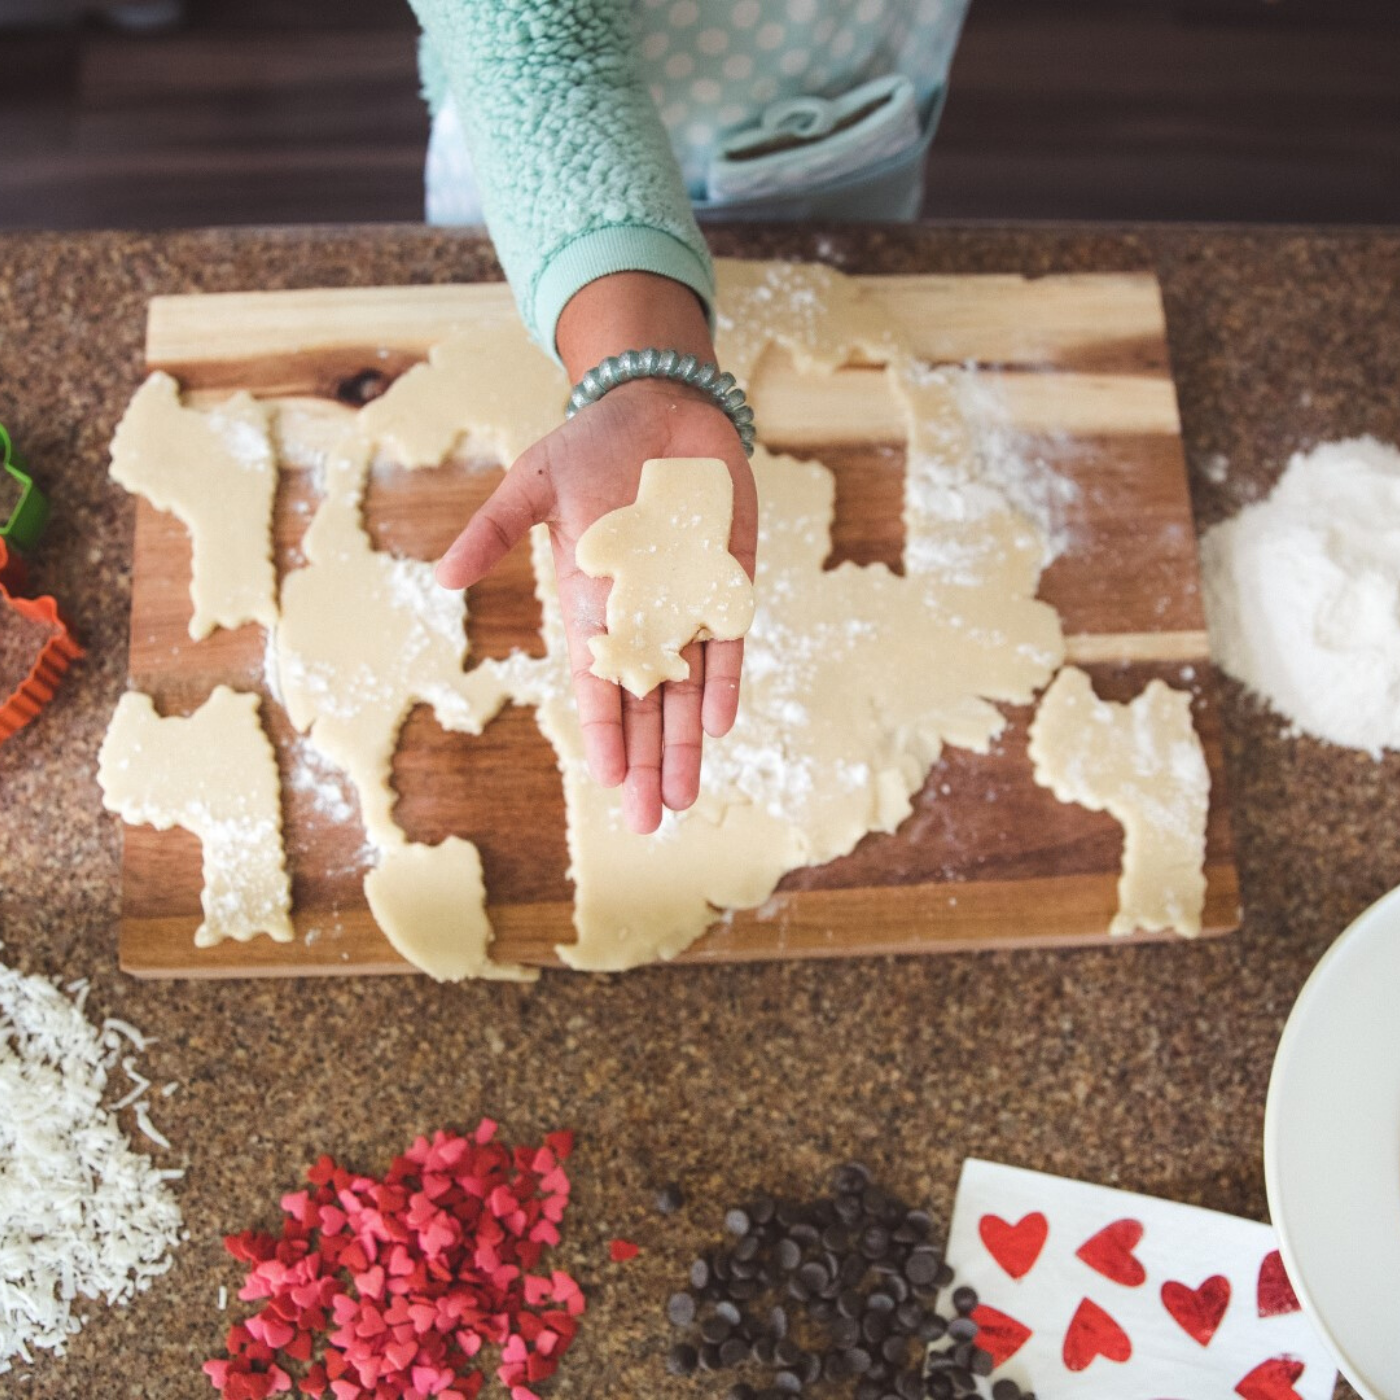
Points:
(681, 734)
(497, 527)
(582, 603)
(641, 793)
(723, 663)
(743, 532)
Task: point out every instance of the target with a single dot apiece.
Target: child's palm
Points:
(584, 469)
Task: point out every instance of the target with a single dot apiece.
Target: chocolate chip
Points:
(845, 1332)
(834, 1366)
(822, 1310)
(742, 1289)
(737, 1222)
(763, 1210)
(806, 1234)
(798, 1291)
(945, 1275)
(982, 1363)
(715, 1329)
(962, 1380)
(895, 1350)
(788, 1382)
(857, 1360)
(699, 1274)
(682, 1360)
(874, 1327)
(681, 1309)
(909, 1386)
(868, 1390)
(763, 1351)
(709, 1357)
(669, 1199)
(962, 1329)
(939, 1386)
(733, 1352)
(787, 1353)
(875, 1242)
(852, 1270)
(908, 1317)
(921, 1268)
(932, 1328)
(778, 1322)
(879, 1301)
(726, 1311)
(853, 1178)
(1006, 1390)
(848, 1209)
(964, 1299)
(789, 1255)
(814, 1276)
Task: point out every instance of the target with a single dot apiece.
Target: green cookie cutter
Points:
(31, 514)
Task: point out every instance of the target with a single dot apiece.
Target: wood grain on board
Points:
(987, 859)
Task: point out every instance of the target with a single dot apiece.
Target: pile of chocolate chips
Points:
(812, 1297)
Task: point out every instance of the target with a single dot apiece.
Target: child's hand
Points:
(581, 471)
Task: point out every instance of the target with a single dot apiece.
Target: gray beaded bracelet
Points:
(667, 364)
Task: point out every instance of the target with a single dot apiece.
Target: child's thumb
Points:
(496, 528)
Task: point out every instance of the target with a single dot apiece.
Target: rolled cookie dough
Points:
(673, 577)
(216, 472)
(1144, 765)
(214, 774)
(431, 903)
(364, 637)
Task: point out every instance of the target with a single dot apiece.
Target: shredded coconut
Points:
(1302, 590)
(82, 1214)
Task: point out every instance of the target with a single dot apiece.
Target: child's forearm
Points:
(631, 311)
(577, 176)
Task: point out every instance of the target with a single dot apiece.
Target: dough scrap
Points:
(365, 636)
(854, 678)
(430, 902)
(216, 472)
(673, 577)
(215, 774)
(1143, 763)
(490, 385)
(818, 315)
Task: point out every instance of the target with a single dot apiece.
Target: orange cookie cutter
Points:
(57, 654)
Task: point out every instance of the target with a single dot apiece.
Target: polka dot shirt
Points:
(712, 66)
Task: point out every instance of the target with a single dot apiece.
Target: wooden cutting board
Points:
(987, 859)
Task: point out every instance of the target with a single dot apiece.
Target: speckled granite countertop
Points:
(1143, 1067)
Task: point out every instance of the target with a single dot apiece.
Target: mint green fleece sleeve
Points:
(576, 172)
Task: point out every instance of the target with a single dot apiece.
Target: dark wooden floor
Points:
(259, 111)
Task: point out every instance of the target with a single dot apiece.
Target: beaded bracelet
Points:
(672, 365)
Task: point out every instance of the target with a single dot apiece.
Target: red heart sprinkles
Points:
(1198, 1311)
(1015, 1247)
(388, 1289)
(1093, 1333)
(1273, 1380)
(1276, 1295)
(1110, 1253)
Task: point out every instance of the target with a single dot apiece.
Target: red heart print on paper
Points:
(1093, 1333)
(1015, 1247)
(1276, 1295)
(1000, 1336)
(1198, 1311)
(1273, 1380)
(1110, 1253)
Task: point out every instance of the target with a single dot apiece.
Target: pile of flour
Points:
(1303, 594)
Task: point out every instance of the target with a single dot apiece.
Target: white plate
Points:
(1332, 1149)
